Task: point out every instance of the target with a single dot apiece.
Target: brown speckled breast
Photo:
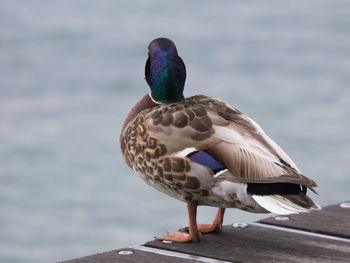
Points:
(146, 155)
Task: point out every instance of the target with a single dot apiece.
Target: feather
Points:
(286, 204)
(203, 158)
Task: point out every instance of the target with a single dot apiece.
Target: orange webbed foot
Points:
(209, 228)
(215, 227)
(181, 237)
(205, 228)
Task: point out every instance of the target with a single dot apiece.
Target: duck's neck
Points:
(145, 103)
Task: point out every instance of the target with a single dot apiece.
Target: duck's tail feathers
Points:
(286, 204)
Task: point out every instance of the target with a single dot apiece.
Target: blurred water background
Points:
(71, 70)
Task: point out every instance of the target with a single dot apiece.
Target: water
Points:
(71, 70)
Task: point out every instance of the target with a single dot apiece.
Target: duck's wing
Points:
(234, 140)
(249, 154)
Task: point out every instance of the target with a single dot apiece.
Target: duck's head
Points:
(165, 71)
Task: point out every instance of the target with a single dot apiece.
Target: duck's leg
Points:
(194, 235)
(216, 226)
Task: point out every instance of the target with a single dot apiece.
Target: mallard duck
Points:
(202, 151)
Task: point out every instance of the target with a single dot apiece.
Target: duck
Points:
(204, 152)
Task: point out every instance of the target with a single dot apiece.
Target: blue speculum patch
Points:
(207, 160)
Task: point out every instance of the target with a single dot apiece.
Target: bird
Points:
(204, 152)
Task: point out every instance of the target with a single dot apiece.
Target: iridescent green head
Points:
(165, 71)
